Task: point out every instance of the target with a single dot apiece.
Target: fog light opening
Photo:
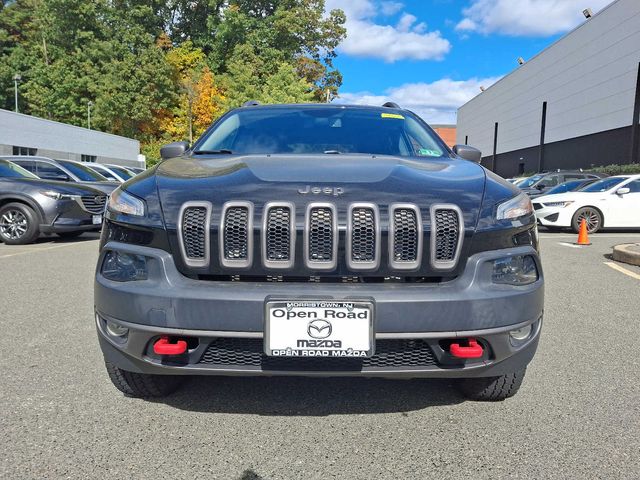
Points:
(115, 331)
(519, 335)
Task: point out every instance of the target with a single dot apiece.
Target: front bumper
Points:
(67, 215)
(554, 216)
(224, 321)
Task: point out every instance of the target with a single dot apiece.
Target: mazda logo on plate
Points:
(319, 329)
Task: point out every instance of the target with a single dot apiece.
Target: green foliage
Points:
(625, 169)
(141, 61)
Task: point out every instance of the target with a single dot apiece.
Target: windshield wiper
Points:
(206, 152)
(332, 152)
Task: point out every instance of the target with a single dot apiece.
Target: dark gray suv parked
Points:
(319, 240)
(30, 206)
(64, 171)
(541, 183)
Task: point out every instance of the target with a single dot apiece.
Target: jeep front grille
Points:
(94, 203)
(405, 248)
(320, 240)
(236, 234)
(193, 227)
(321, 234)
(446, 235)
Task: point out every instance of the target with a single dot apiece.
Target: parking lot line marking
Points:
(617, 267)
(40, 249)
(565, 244)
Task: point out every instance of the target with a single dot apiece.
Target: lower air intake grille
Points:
(447, 232)
(249, 352)
(194, 221)
(94, 204)
(236, 233)
(278, 234)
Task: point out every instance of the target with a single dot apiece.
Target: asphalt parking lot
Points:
(576, 416)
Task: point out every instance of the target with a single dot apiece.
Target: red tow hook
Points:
(163, 347)
(473, 350)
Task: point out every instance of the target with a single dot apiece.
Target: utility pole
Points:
(89, 105)
(16, 79)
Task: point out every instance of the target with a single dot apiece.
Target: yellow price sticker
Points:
(392, 115)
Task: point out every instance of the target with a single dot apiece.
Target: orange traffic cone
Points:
(583, 237)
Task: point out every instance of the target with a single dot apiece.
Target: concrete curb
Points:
(627, 253)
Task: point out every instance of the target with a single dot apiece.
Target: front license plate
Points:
(319, 329)
(97, 219)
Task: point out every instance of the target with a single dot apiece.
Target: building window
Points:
(24, 151)
(88, 158)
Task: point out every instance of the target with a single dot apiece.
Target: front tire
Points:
(492, 389)
(142, 385)
(19, 224)
(592, 216)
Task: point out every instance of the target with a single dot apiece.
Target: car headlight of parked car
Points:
(515, 270)
(123, 202)
(558, 204)
(57, 195)
(518, 206)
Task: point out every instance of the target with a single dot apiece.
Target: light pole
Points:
(89, 105)
(16, 79)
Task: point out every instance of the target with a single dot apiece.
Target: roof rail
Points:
(391, 105)
(251, 103)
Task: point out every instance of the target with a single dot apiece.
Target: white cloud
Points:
(435, 102)
(406, 40)
(525, 17)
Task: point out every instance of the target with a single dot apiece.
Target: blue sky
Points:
(433, 55)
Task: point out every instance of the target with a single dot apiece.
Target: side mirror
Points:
(174, 149)
(468, 153)
(623, 191)
(541, 186)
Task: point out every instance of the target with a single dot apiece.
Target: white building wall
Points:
(64, 141)
(587, 78)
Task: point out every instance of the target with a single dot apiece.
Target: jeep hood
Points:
(339, 179)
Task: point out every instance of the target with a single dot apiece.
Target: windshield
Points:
(105, 173)
(565, 187)
(123, 172)
(85, 174)
(11, 170)
(528, 182)
(313, 130)
(603, 185)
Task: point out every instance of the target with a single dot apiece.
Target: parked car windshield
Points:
(528, 182)
(105, 173)
(123, 172)
(603, 185)
(565, 187)
(85, 174)
(11, 170)
(317, 130)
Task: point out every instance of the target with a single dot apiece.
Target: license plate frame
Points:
(298, 327)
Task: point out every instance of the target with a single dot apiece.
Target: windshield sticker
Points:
(429, 153)
(392, 115)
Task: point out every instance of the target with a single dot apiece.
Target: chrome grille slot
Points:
(94, 203)
(405, 236)
(363, 237)
(193, 233)
(236, 235)
(278, 234)
(321, 235)
(447, 230)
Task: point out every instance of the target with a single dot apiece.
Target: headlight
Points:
(122, 202)
(558, 204)
(124, 267)
(57, 195)
(518, 206)
(516, 270)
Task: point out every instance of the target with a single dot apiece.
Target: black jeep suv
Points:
(319, 240)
